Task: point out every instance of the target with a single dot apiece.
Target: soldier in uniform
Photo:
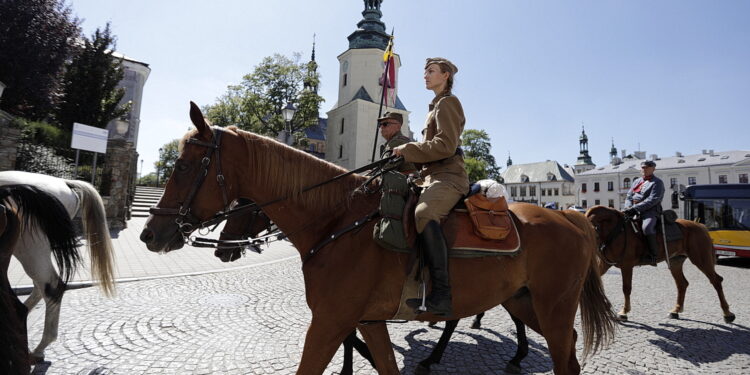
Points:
(390, 129)
(644, 199)
(444, 179)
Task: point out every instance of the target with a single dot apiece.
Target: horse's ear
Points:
(196, 116)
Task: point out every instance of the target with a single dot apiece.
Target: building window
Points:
(611, 203)
(722, 179)
(583, 188)
(341, 131)
(341, 151)
(691, 181)
(743, 178)
(596, 186)
(626, 183)
(557, 191)
(584, 204)
(532, 191)
(344, 81)
(610, 186)
(523, 191)
(513, 191)
(597, 202)
(544, 192)
(673, 182)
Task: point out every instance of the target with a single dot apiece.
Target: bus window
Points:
(740, 213)
(709, 212)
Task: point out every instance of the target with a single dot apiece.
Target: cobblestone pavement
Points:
(253, 321)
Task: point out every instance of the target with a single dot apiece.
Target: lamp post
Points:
(140, 174)
(288, 113)
(158, 163)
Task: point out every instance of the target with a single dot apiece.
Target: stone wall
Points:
(9, 136)
(119, 168)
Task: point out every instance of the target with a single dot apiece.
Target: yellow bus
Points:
(725, 210)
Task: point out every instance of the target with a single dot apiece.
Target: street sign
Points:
(89, 138)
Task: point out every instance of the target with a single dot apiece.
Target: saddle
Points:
(671, 227)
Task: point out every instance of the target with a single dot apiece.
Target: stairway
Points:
(145, 198)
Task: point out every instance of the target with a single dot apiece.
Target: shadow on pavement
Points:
(699, 345)
(737, 262)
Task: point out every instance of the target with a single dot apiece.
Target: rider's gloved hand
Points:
(630, 212)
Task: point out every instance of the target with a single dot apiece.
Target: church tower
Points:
(584, 162)
(352, 123)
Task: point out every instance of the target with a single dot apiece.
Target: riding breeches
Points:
(649, 223)
(436, 202)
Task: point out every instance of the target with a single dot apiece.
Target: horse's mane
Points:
(300, 170)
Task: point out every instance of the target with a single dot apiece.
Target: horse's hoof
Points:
(622, 317)
(422, 370)
(512, 368)
(36, 358)
(729, 318)
(431, 324)
(674, 315)
(476, 325)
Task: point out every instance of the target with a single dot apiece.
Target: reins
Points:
(619, 229)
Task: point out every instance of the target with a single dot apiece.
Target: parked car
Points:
(577, 208)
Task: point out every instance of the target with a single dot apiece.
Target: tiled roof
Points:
(536, 172)
(362, 94)
(674, 162)
(318, 131)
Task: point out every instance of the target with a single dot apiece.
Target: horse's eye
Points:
(182, 167)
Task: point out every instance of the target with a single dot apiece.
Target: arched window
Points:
(626, 183)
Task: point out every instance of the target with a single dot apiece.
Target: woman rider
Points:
(444, 179)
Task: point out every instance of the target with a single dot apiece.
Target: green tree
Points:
(256, 103)
(36, 38)
(168, 155)
(90, 94)
(476, 146)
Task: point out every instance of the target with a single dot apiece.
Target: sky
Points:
(656, 76)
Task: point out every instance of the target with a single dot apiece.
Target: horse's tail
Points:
(597, 317)
(36, 207)
(97, 235)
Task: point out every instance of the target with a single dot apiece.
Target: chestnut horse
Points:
(621, 246)
(351, 279)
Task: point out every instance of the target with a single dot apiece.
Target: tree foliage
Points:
(168, 155)
(256, 103)
(90, 94)
(36, 38)
(480, 163)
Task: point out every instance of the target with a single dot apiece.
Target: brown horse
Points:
(351, 279)
(621, 246)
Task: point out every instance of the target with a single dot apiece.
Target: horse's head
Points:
(242, 227)
(196, 190)
(605, 220)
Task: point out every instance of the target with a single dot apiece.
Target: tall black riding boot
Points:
(653, 247)
(436, 254)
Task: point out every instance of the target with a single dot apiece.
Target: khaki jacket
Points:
(442, 136)
(398, 139)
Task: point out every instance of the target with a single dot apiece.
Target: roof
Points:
(549, 170)
(632, 164)
(317, 131)
(362, 94)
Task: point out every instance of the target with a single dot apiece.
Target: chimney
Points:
(624, 153)
(654, 157)
(678, 154)
(711, 152)
(640, 154)
(703, 151)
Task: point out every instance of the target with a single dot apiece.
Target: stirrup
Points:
(419, 304)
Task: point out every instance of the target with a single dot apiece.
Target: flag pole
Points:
(386, 82)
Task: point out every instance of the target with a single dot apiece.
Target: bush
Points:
(42, 133)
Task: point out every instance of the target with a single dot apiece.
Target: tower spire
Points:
(370, 31)
(312, 58)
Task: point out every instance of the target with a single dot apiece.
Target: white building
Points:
(608, 185)
(136, 74)
(352, 123)
(540, 183)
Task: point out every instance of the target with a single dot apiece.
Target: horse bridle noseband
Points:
(618, 229)
(186, 221)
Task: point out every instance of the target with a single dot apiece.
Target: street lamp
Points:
(288, 113)
(140, 174)
(158, 163)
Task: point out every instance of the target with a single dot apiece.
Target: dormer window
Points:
(551, 177)
(524, 178)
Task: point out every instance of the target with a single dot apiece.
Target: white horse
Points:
(34, 253)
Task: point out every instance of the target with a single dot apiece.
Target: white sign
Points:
(89, 138)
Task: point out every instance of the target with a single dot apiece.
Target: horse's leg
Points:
(350, 343)
(321, 342)
(523, 344)
(437, 352)
(361, 348)
(556, 316)
(707, 264)
(627, 287)
(33, 299)
(675, 267)
(477, 323)
(379, 343)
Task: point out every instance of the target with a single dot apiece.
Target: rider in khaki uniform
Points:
(390, 129)
(444, 178)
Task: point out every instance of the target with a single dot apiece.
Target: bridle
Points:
(186, 221)
(619, 228)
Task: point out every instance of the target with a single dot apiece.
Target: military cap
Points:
(392, 116)
(648, 163)
(441, 60)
